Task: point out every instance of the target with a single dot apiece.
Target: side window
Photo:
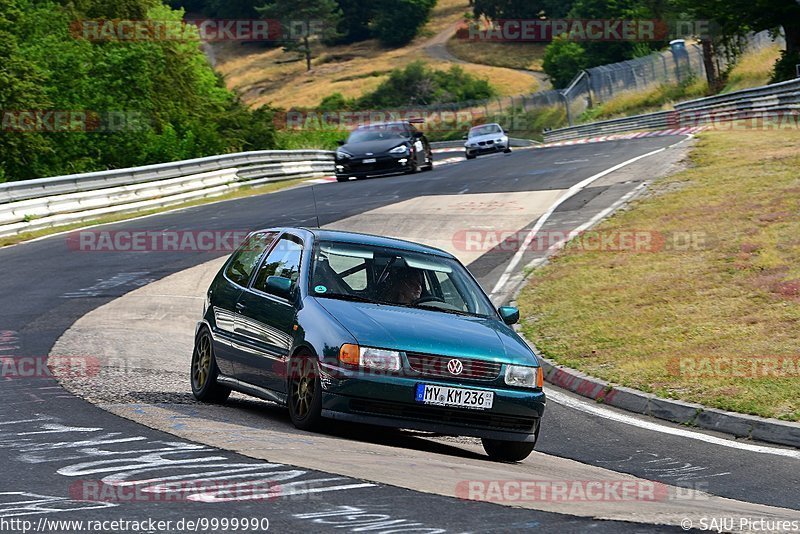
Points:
(244, 260)
(283, 260)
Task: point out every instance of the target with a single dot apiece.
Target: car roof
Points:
(487, 124)
(356, 238)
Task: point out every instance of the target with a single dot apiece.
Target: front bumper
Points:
(486, 149)
(382, 165)
(389, 400)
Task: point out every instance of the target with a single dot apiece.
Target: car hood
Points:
(487, 137)
(429, 332)
(376, 147)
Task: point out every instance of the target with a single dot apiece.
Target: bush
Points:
(417, 84)
(785, 68)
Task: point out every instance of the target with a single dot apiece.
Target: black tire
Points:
(470, 156)
(429, 166)
(305, 401)
(507, 451)
(414, 166)
(507, 150)
(204, 371)
(342, 178)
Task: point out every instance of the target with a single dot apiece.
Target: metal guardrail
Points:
(13, 191)
(35, 204)
(781, 97)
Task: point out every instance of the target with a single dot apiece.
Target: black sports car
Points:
(384, 148)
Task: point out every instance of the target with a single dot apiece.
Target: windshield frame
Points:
(453, 264)
(389, 132)
(499, 130)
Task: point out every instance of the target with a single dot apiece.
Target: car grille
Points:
(484, 143)
(472, 418)
(436, 366)
(383, 163)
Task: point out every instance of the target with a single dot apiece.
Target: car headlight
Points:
(341, 154)
(370, 358)
(402, 149)
(501, 140)
(524, 377)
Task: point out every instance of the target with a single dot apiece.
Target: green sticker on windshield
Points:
(320, 289)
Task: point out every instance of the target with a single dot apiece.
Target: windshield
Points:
(396, 277)
(376, 133)
(484, 130)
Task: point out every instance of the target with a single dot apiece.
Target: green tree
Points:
(356, 16)
(303, 22)
(521, 9)
(397, 22)
(20, 90)
(563, 59)
(168, 101)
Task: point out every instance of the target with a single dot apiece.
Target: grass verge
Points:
(682, 322)
(754, 69)
(655, 98)
(242, 192)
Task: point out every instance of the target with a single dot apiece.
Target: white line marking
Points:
(588, 224)
(605, 413)
(543, 219)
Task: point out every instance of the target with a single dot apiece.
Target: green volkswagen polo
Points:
(353, 327)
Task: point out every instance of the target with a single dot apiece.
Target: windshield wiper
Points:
(436, 308)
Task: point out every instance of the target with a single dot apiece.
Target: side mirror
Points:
(464, 137)
(509, 314)
(418, 135)
(279, 286)
(341, 142)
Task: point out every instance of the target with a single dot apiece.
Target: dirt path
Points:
(436, 48)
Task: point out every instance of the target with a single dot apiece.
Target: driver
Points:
(406, 286)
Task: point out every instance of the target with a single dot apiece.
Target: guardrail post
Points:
(566, 106)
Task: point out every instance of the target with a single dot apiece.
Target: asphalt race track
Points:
(56, 444)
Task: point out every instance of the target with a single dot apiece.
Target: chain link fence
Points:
(682, 63)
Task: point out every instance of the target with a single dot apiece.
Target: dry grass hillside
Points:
(264, 76)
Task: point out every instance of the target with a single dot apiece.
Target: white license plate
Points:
(369, 160)
(457, 397)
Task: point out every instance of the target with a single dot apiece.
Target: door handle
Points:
(240, 306)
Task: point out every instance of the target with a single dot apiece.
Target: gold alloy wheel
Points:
(303, 389)
(202, 363)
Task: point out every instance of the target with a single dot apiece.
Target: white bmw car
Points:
(486, 139)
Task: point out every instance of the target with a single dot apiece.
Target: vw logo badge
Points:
(455, 367)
